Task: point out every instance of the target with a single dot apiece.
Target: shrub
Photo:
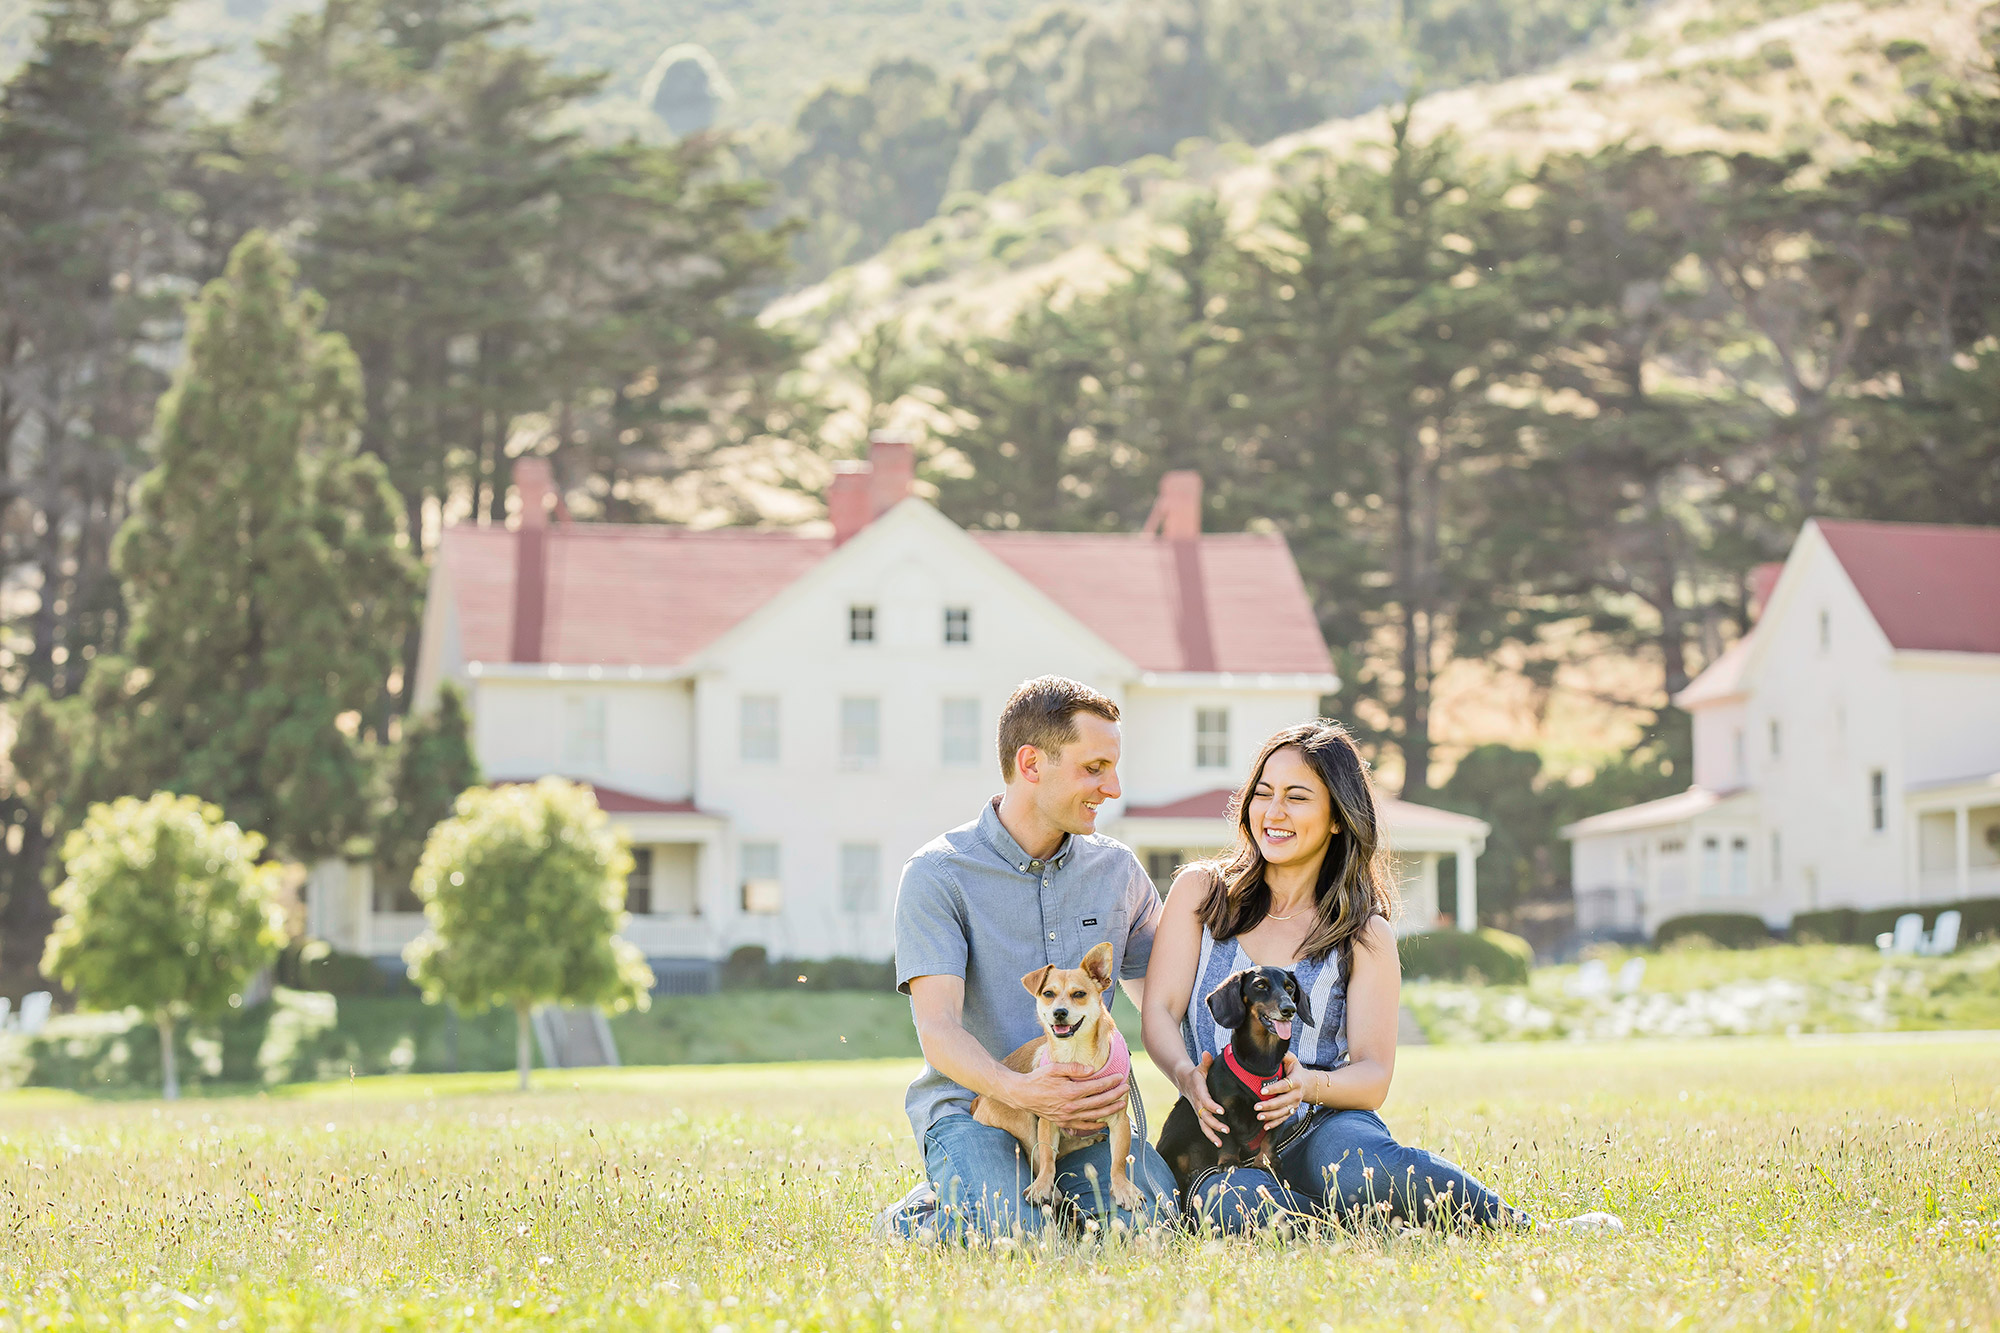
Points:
(1981, 916)
(1456, 955)
(1835, 925)
(314, 965)
(1727, 930)
(750, 968)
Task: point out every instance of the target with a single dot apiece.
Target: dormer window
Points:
(861, 624)
(1825, 631)
(958, 624)
(1776, 749)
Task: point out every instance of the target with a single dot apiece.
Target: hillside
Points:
(1722, 74)
(773, 52)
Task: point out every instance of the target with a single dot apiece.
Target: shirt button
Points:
(1052, 934)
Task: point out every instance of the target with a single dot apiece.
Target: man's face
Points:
(1081, 777)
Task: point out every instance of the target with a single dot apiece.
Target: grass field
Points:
(1841, 1184)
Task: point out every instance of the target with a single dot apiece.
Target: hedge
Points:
(1850, 925)
(1487, 955)
(1729, 930)
(749, 968)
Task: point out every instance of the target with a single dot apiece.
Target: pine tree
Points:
(268, 579)
(432, 765)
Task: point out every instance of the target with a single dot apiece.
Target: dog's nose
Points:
(1287, 1011)
(1061, 1015)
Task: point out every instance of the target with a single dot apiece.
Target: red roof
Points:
(1928, 586)
(644, 595)
(614, 802)
(1233, 602)
(1206, 805)
(622, 594)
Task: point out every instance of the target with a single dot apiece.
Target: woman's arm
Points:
(1374, 994)
(1169, 985)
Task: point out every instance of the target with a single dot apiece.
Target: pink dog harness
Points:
(1119, 1062)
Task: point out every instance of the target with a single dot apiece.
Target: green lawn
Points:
(1764, 1182)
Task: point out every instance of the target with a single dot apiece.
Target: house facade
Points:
(777, 720)
(1846, 750)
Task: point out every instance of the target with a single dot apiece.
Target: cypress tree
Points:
(268, 580)
(433, 763)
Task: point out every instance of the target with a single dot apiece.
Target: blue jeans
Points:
(981, 1172)
(1346, 1166)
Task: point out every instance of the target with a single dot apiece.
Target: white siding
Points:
(519, 732)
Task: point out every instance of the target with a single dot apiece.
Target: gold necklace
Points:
(1273, 916)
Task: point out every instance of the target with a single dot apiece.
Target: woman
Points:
(1306, 888)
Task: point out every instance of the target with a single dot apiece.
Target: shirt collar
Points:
(1000, 840)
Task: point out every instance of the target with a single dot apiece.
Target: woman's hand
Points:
(1193, 1085)
(1283, 1094)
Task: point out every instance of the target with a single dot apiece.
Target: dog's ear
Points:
(1098, 964)
(1033, 981)
(1299, 999)
(1225, 1002)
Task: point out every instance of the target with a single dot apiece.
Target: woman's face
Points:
(1291, 811)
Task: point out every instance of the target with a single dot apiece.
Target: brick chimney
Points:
(534, 483)
(893, 461)
(1176, 514)
(848, 499)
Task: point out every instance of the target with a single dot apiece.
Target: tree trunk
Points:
(522, 1055)
(171, 1080)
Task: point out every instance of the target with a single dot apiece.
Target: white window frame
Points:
(860, 721)
(860, 877)
(585, 743)
(758, 738)
(762, 878)
(861, 623)
(958, 736)
(959, 618)
(1211, 738)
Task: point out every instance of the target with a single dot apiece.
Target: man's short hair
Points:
(1042, 713)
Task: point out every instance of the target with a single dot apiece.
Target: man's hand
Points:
(1078, 1099)
(1193, 1085)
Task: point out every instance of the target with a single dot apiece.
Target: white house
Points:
(778, 720)
(1846, 750)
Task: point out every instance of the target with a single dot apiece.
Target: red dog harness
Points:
(1253, 1082)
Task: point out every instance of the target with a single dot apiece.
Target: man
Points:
(1028, 884)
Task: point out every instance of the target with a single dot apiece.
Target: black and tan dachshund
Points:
(1258, 1005)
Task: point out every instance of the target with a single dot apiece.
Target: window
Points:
(1774, 738)
(1878, 800)
(1825, 631)
(1211, 738)
(1777, 861)
(639, 884)
(860, 732)
(1736, 752)
(1162, 865)
(762, 892)
(860, 876)
(1739, 867)
(583, 733)
(960, 733)
(957, 624)
(1711, 867)
(760, 729)
(861, 624)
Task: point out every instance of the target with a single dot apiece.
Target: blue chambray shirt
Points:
(972, 904)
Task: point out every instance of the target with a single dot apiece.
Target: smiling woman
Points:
(1305, 893)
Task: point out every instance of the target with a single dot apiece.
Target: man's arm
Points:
(1073, 1097)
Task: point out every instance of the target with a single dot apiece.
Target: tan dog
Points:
(1077, 1029)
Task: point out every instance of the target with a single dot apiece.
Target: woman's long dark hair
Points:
(1354, 882)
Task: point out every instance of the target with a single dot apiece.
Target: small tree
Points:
(524, 891)
(165, 908)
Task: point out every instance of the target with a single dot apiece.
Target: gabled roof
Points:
(1930, 587)
(1230, 602)
(644, 595)
(1720, 679)
(622, 594)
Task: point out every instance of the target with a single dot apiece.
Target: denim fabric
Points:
(980, 1173)
(1346, 1165)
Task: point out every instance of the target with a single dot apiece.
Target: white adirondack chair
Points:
(1630, 975)
(6, 1008)
(1944, 936)
(1592, 981)
(35, 1012)
(1907, 937)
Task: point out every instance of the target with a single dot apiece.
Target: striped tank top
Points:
(1319, 1045)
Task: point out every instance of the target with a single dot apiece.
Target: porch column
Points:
(1961, 818)
(1468, 889)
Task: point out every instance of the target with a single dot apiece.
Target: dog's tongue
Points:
(1283, 1027)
